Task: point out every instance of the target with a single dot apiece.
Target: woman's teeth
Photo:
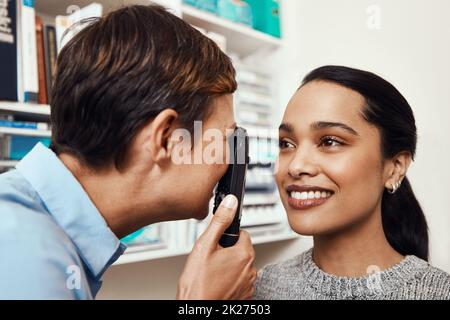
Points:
(310, 195)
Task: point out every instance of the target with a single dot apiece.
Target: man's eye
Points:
(330, 142)
(283, 144)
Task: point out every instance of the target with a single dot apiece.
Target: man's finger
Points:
(244, 239)
(220, 221)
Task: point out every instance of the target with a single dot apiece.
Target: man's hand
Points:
(213, 272)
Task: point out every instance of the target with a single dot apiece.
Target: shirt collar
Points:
(72, 208)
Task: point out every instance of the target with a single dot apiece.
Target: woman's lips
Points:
(305, 204)
(305, 197)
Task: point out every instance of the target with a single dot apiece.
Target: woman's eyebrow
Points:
(325, 124)
(286, 127)
(289, 128)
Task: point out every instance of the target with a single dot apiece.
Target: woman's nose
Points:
(303, 163)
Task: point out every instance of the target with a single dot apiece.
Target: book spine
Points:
(8, 50)
(42, 99)
(29, 52)
(50, 53)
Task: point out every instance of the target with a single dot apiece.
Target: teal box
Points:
(20, 145)
(244, 13)
(228, 10)
(206, 5)
(266, 16)
(236, 11)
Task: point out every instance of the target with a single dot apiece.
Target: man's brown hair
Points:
(122, 70)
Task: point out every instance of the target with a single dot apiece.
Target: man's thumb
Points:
(221, 220)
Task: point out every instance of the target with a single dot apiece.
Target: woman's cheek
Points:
(357, 188)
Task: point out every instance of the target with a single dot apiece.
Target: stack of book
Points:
(29, 49)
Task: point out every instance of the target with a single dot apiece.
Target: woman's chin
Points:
(306, 225)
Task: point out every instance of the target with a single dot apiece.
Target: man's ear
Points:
(159, 133)
(398, 166)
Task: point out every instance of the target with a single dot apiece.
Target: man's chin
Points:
(201, 214)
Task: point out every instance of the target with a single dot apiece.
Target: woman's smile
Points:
(305, 197)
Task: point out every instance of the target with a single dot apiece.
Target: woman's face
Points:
(330, 171)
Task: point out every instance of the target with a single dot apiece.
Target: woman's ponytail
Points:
(404, 223)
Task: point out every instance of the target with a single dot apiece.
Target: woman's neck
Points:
(357, 251)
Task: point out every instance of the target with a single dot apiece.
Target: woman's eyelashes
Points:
(331, 142)
(284, 144)
(328, 142)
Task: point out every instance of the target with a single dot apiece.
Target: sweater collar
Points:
(371, 285)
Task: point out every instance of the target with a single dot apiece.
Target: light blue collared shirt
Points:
(54, 243)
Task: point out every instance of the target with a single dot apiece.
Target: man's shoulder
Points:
(27, 226)
(35, 251)
(22, 211)
(15, 190)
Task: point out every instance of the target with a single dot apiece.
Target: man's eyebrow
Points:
(325, 124)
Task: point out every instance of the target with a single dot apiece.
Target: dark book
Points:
(50, 55)
(8, 50)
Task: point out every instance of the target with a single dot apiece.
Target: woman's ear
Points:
(398, 166)
(159, 133)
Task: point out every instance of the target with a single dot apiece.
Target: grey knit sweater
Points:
(301, 278)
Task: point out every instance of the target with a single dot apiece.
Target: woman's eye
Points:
(283, 144)
(330, 142)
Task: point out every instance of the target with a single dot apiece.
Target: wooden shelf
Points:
(241, 39)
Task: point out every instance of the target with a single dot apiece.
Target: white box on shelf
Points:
(63, 23)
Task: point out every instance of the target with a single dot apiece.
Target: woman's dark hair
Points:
(404, 222)
(122, 70)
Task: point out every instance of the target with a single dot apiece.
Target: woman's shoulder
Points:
(275, 279)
